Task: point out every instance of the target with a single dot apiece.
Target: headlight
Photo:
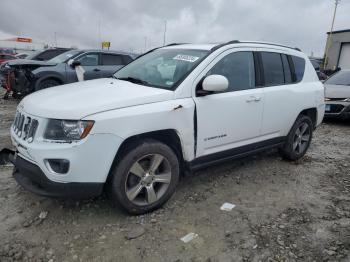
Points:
(67, 130)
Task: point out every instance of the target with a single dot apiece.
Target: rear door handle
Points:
(97, 70)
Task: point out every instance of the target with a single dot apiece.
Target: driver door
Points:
(90, 63)
(230, 119)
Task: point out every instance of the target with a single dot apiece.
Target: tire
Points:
(134, 184)
(298, 139)
(46, 84)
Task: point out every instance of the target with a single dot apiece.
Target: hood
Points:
(337, 91)
(78, 100)
(21, 62)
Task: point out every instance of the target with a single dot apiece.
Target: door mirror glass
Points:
(215, 83)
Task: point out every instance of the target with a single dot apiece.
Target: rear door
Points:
(230, 119)
(110, 63)
(282, 92)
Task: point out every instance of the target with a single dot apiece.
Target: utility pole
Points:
(329, 38)
(55, 39)
(99, 33)
(164, 38)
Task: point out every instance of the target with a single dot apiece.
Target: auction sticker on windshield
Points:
(187, 58)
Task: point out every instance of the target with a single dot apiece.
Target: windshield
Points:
(32, 55)
(62, 58)
(162, 68)
(340, 78)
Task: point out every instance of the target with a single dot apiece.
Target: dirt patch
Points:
(285, 211)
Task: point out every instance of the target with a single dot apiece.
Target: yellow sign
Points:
(106, 45)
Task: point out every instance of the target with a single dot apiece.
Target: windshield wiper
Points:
(133, 80)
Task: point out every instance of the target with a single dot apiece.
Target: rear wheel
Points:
(145, 177)
(46, 84)
(298, 139)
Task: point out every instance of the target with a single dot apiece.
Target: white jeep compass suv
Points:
(174, 108)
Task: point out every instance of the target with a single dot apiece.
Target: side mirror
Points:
(212, 84)
(74, 63)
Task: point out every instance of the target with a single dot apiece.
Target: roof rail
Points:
(175, 44)
(251, 42)
(227, 43)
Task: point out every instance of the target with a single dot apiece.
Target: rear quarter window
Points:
(299, 68)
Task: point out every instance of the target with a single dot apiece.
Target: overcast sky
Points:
(128, 23)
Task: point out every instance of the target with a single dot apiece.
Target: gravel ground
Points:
(285, 211)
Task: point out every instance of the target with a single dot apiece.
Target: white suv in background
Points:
(174, 108)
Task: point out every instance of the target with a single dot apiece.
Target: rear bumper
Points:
(32, 178)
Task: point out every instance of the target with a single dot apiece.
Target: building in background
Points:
(338, 50)
(21, 45)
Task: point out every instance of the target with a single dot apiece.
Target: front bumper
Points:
(337, 109)
(32, 178)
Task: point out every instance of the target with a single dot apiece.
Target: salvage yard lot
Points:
(285, 211)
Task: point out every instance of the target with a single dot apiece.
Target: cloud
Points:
(139, 24)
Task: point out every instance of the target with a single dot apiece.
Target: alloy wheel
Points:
(301, 138)
(148, 179)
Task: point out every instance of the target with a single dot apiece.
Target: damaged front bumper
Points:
(33, 179)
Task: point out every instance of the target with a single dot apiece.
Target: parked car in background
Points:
(30, 75)
(6, 57)
(175, 108)
(337, 95)
(316, 63)
(21, 55)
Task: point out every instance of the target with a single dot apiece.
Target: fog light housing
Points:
(60, 166)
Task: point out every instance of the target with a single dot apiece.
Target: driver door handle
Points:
(97, 70)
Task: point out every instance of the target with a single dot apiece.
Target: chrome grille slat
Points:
(25, 127)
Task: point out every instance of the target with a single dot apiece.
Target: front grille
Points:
(25, 127)
(335, 108)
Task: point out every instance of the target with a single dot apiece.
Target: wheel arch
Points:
(55, 77)
(170, 137)
(312, 113)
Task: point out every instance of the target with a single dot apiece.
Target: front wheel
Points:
(145, 177)
(298, 139)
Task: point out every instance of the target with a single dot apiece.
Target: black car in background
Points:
(317, 63)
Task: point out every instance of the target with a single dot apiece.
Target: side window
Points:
(286, 69)
(273, 68)
(127, 59)
(109, 59)
(299, 67)
(90, 59)
(238, 68)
